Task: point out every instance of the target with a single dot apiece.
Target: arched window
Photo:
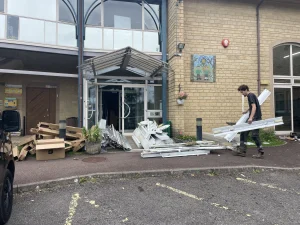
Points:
(286, 75)
(123, 14)
(65, 14)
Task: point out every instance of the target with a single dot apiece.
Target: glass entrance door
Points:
(133, 107)
(296, 108)
(283, 107)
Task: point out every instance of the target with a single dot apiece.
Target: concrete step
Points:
(131, 142)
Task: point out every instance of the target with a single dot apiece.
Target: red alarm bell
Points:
(225, 43)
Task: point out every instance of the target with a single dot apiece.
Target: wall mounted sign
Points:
(10, 103)
(204, 68)
(13, 91)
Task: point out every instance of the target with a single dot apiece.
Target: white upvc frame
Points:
(144, 86)
(85, 103)
(290, 86)
(85, 100)
(57, 22)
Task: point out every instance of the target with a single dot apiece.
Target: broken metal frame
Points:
(221, 131)
(175, 154)
(261, 99)
(114, 139)
(125, 59)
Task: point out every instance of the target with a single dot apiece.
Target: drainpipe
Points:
(80, 45)
(258, 45)
(164, 58)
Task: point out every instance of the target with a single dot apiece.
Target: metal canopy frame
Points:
(125, 59)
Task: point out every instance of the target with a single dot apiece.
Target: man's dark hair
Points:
(243, 87)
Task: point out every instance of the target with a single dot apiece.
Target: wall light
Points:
(180, 47)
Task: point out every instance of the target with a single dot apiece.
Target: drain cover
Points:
(94, 159)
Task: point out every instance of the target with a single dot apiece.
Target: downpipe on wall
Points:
(258, 46)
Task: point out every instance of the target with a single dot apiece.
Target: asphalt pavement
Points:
(233, 198)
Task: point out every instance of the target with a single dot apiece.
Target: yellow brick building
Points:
(202, 25)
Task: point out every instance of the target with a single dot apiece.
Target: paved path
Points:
(30, 171)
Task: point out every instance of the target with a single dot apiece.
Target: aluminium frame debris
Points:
(261, 99)
(221, 131)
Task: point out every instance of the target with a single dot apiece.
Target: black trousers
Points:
(254, 136)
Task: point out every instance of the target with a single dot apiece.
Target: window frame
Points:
(289, 86)
(291, 76)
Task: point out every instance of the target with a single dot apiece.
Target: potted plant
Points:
(93, 138)
(181, 97)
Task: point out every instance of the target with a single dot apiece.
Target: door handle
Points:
(128, 110)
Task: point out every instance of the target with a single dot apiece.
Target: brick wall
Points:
(202, 25)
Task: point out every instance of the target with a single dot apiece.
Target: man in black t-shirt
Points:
(254, 115)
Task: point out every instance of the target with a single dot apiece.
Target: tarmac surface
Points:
(259, 196)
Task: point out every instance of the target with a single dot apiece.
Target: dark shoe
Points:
(239, 152)
(259, 155)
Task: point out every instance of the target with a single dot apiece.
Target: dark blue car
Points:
(9, 122)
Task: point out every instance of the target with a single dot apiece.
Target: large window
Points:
(286, 74)
(281, 60)
(2, 26)
(1, 5)
(93, 16)
(65, 14)
(122, 14)
(41, 9)
(110, 24)
(152, 17)
(286, 60)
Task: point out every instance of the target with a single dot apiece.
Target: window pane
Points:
(282, 81)
(93, 38)
(66, 35)
(95, 16)
(32, 30)
(108, 39)
(2, 26)
(154, 97)
(297, 81)
(296, 60)
(152, 17)
(122, 38)
(151, 42)
(283, 108)
(45, 9)
(1, 5)
(65, 14)
(281, 60)
(122, 14)
(12, 27)
(50, 33)
(296, 107)
(138, 40)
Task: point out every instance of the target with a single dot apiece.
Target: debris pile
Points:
(149, 134)
(292, 137)
(113, 138)
(156, 143)
(45, 142)
(181, 149)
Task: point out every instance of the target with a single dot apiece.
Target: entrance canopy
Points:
(126, 59)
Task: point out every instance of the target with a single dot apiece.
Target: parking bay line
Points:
(196, 197)
(72, 208)
(267, 185)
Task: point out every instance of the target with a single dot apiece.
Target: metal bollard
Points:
(62, 129)
(199, 129)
